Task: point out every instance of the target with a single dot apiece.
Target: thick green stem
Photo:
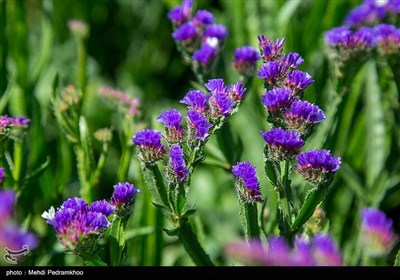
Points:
(249, 214)
(18, 159)
(189, 240)
(117, 241)
(284, 196)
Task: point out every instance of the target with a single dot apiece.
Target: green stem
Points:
(397, 260)
(100, 165)
(124, 163)
(284, 196)
(155, 182)
(18, 159)
(191, 244)
(159, 239)
(117, 241)
(248, 212)
(83, 176)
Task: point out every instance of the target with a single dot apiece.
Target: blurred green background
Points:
(130, 47)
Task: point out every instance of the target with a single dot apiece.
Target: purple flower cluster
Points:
(178, 163)
(273, 72)
(76, 223)
(196, 100)
(248, 186)
(317, 166)
(245, 59)
(13, 236)
(198, 35)
(122, 99)
(7, 122)
(355, 41)
(372, 12)
(199, 125)
(302, 116)
(377, 235)
(270, 51)
(149, 144)
(172, 121)
(276, 100)
(282, 144)
(388, 39)
(319, 251)
(123, 197)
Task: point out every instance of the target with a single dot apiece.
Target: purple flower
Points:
(7, 204)
(317, 166)
(215, 31)
(270, 50)
(303, 115)
(187, 32)
(236, 92)
(149, 143)
(282, 144)
(178, 163)
(180, 14)
(377, 235)
(298, 80)
(5, 121)
(248, 186)
(76, 203)
(221, 105)
(203, 17)
(364, 37)
(102, 206)
(20, 121)
(277, 99)
(245, 59)
(272, 72)
(2, 174)
(292, 60)
(360, 15)
(74, 227)
(196, 100)
(338, 36)
(205, 55)
(388, 39)
(199, 124)
(15, 238)
(216, 86)
(123, 194)
(325, 251)
(172, 121)
(249, 253)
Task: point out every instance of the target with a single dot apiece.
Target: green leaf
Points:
(37, 172)
(96, 261)
(155, 182)
(313, 199)
(129, 234)
(188, 213)
(166, 211)
(270, 171)
(376, 151)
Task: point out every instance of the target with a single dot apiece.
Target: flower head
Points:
(199, 124)
(76, 203)
(236, 92)
(20, 121)
(282, 144)
(172, 121)
(221, 105)
(298, 81)
(270, 51)
(292, 60)
(149, 144)
(325, 251)
(180, 14)
(248, 186)
(102, 206)
(245, 59)
(216, 86)
(206, 54)
(14, 238)
(123, 194)
(196, 100)
(187, 32)
(203, 17)
(317, 166)
(273, 72)
(377, 235)
(388, 39)
(215, 31)
(275, 100)
(303, 115)
(178, 163)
